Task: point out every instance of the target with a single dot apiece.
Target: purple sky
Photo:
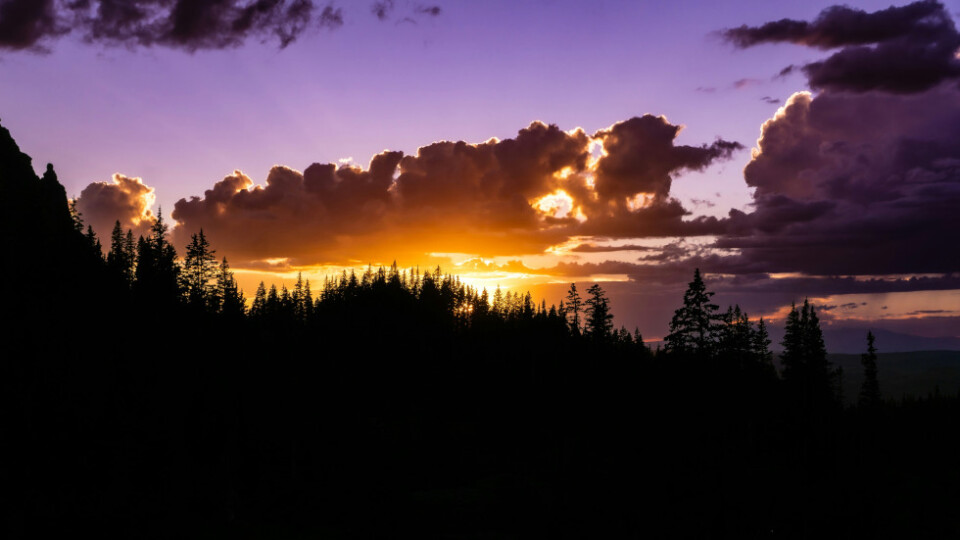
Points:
(183, 120)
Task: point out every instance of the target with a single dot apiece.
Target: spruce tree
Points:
(259, 307)
(573, 308)
(199, 268)
(157, 272)
(94, 243)
(760, 345)
(693, 327)
(228, 298)
(806, 369)
(870, 390)
(120, 258)
(599, 324)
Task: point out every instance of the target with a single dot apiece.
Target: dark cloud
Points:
(902, 49)
(785, 72)
(382, 9)
(770, 100)
(124, 199)
(854, 184)
(500, 197)
(449, 197)
(838, 26)
(433, 11)
(331, 17)
(702, 202)
(593, 248)
(27, 24)
(797, 286)
(185, 24)
(641, 157)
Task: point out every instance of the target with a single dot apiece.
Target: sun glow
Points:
(639, 201)
(564, 173)
(558, 204)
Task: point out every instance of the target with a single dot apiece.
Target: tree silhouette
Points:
(122, 257)
(199, 268)
(806, 369)
(228, 297)
(870, 390)
(599, 323)
(760, 346)
(157, 273)
(693, 326)
(573, 308)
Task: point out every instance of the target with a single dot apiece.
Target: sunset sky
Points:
(787, 149)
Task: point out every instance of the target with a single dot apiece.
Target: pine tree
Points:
(120, 258)
(806, 369)
(870, 390)
(75, 215)
(297, 298)
(760, 345)
(94, 243)
(792, 356)
(599, 322)
(693, 326)
(574, 307)
(157, 272)
(199, 268)
(228, 298)
(259, 307)
(735, 335)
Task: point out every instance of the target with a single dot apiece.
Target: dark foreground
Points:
(135, 404)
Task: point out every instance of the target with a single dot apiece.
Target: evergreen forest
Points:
(143, 394)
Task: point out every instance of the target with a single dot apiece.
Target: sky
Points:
(789, 150)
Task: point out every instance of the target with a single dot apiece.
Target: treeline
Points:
(139, 397)
(148, 270)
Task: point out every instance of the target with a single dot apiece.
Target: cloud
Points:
(432, 11)
(25, 24)
(184, 24)
(640, 157)
(382, 9)
(903, 49)
(123, 199)
(331, 17)
(740, 84)
(496, 198)
(854, 184)
(593, 248)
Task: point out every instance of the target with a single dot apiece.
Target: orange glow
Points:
(558, 204)
(564, 173)
(639, 201)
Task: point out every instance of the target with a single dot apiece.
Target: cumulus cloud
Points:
(500, 197)
(27, 23)
(854, 184)
(628, 166)
(185, 24)
(901, 49)
(124, 199)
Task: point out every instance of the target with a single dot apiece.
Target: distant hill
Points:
(854, 341)
(916, 373)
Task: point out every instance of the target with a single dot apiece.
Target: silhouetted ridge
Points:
(140, 398)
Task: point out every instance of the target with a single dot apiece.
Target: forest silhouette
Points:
(142, 397)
